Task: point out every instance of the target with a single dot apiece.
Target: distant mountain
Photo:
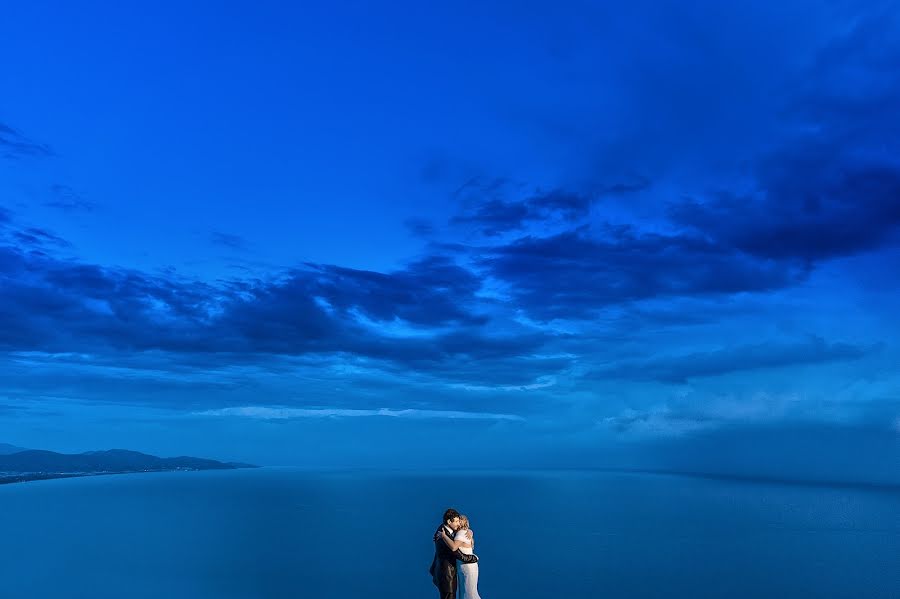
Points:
(113, 460)
(6, 448)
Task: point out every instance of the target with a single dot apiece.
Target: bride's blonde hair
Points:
(463, 522)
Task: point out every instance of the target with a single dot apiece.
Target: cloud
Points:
(282, 413)
(487, 207)
(14, 145)
(430, 291)
(495, 217)
(680, 369)
(569, 293)
(37, 237)
(575, 273)
(816, 207)
(691, 414)
(423, 317)
(825, 187)
(830, 188)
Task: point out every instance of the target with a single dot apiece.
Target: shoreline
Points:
(24, 478)
(12, 479)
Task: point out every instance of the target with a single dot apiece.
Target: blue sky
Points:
(554, 234)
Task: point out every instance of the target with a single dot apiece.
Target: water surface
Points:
(289, 533)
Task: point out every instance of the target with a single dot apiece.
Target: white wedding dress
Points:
(468, 573)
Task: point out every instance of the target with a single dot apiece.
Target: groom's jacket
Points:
(443, 566)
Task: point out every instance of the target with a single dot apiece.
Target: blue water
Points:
(287, 533)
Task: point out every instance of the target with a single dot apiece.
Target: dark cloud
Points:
(487, 206)
(681, 369)
(828, 187)
(54, 305)
(815, 208)
(495, 217)
(834, 188)
(430, 292)
(15, 145)
(475, 357)
(36, 237)
(566, 205)
(575, 273)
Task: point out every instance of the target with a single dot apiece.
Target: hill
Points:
(33, 464)
(6, 448)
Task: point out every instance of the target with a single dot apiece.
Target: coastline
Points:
(29, 477)
(11, 479)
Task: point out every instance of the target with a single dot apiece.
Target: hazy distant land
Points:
(22, 465)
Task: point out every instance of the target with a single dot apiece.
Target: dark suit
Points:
(443, 566)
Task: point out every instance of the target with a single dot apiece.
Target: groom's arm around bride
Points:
(466, 558)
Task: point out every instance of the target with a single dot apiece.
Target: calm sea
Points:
(288, 533)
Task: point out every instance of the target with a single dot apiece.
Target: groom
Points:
(443, 566)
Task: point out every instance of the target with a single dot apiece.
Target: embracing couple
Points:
(454, 541)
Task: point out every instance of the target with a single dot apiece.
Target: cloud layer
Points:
(657, 247)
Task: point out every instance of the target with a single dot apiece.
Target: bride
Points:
(464, 540)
